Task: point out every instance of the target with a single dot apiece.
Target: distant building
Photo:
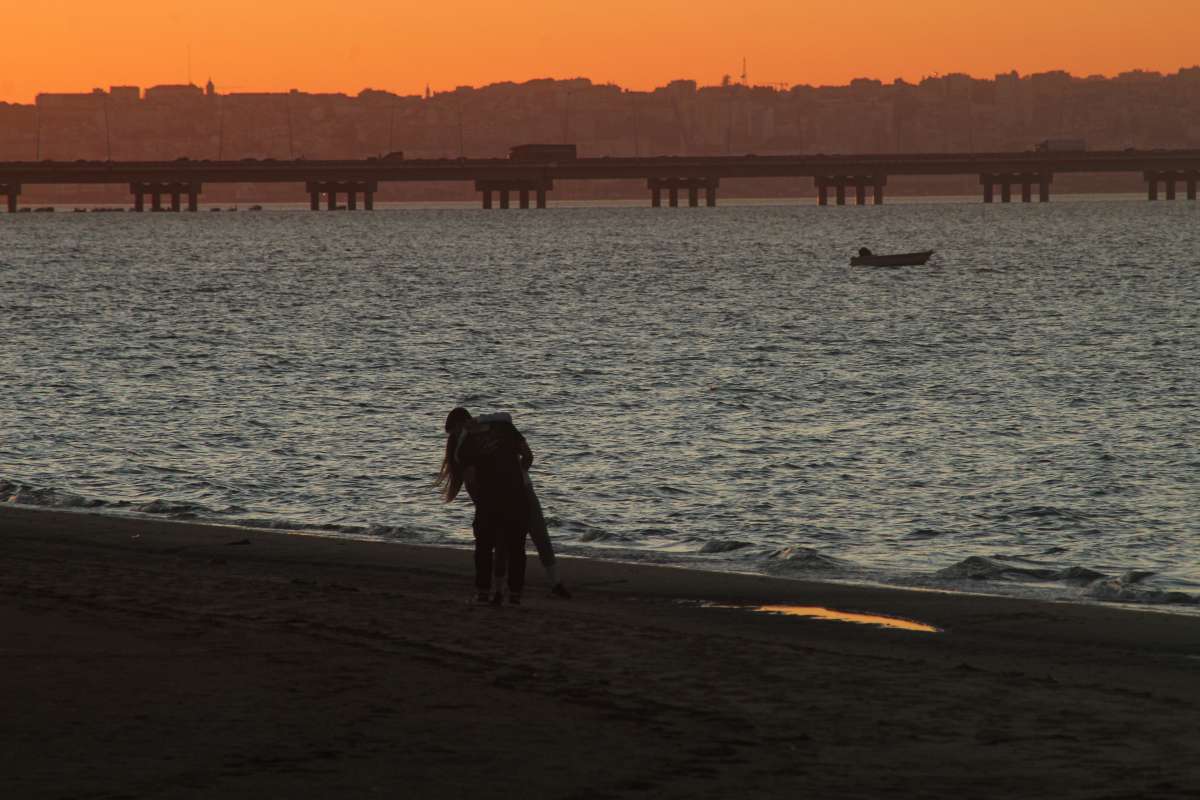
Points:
(124, 94)
(173, 93)
(209, 89)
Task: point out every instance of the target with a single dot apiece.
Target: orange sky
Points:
(348, 45)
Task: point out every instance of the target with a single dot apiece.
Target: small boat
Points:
(866, 258)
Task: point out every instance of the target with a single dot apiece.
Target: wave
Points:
(803, 559)
(1128, 588)
(1000, 568)
(724, 546)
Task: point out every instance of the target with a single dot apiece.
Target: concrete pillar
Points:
(710, 194)
(487, 198)
(176, 205)
(673, 194)
(860, 191)
(193, 197)
(1005, 190)
(1152, 185)
(878, 191)
(1044, 188)
(155, 199)
(504, 197)
(352, 197)
(541, 197)
(1026, 189)
(656, 196)
(524, 197)
(1169, 179)
(693, 194)
(369, 199)
(840, 186)
(314, 200)
(1191, 186)
(822, 192)
(11, 191)
(139, 197)
(331, 197)
(989, 188)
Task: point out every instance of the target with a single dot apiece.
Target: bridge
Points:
(528, 178)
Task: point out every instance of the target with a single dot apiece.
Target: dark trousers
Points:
(499, 549)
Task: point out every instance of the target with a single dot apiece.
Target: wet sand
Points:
(146, 658)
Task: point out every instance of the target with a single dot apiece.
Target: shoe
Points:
(558, 590)
(514, 599)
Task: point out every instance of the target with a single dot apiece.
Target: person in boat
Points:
(864, 252)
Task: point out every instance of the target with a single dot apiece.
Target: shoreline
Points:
(158, 658)
(1021, 590)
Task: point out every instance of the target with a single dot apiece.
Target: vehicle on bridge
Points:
(543, 152)
(1061, 146)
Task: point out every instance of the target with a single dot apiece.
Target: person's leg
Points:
(485, 541)
(541, 540)
(515, 553)
(537, 528)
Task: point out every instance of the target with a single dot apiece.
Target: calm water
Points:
(706, 387)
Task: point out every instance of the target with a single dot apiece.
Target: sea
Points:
(711, 388)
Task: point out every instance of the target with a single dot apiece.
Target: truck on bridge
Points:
(1061, 146)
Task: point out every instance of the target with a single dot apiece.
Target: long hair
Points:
(450, 476)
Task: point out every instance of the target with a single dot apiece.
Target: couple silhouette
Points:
(490, 457)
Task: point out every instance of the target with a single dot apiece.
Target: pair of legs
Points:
(499, 552)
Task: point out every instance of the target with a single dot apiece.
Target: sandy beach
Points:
(147, 658)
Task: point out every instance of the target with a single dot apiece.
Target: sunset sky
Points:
(318, 45)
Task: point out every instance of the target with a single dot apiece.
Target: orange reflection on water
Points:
(818, 612)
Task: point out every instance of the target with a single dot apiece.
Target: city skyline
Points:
(70, 46)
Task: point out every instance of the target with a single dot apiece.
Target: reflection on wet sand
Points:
(818, 612)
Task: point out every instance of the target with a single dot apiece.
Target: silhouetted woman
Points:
(490, 458)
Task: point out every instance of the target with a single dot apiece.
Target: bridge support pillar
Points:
(839, 186)
(1026, 189)
(710, 191)
(10, 191)
(1191, 186)
(860, 191)
(822, 191)
(673, 194)
(331, 190)
(1152, 186)
(693, 194)
(1044, 187)
(1169, 180)
(989, 187)
(176, 205)
(193, 195)
(1005, 190)
(156, 199)
(506, 186)
(655, 195)
(880, 181)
